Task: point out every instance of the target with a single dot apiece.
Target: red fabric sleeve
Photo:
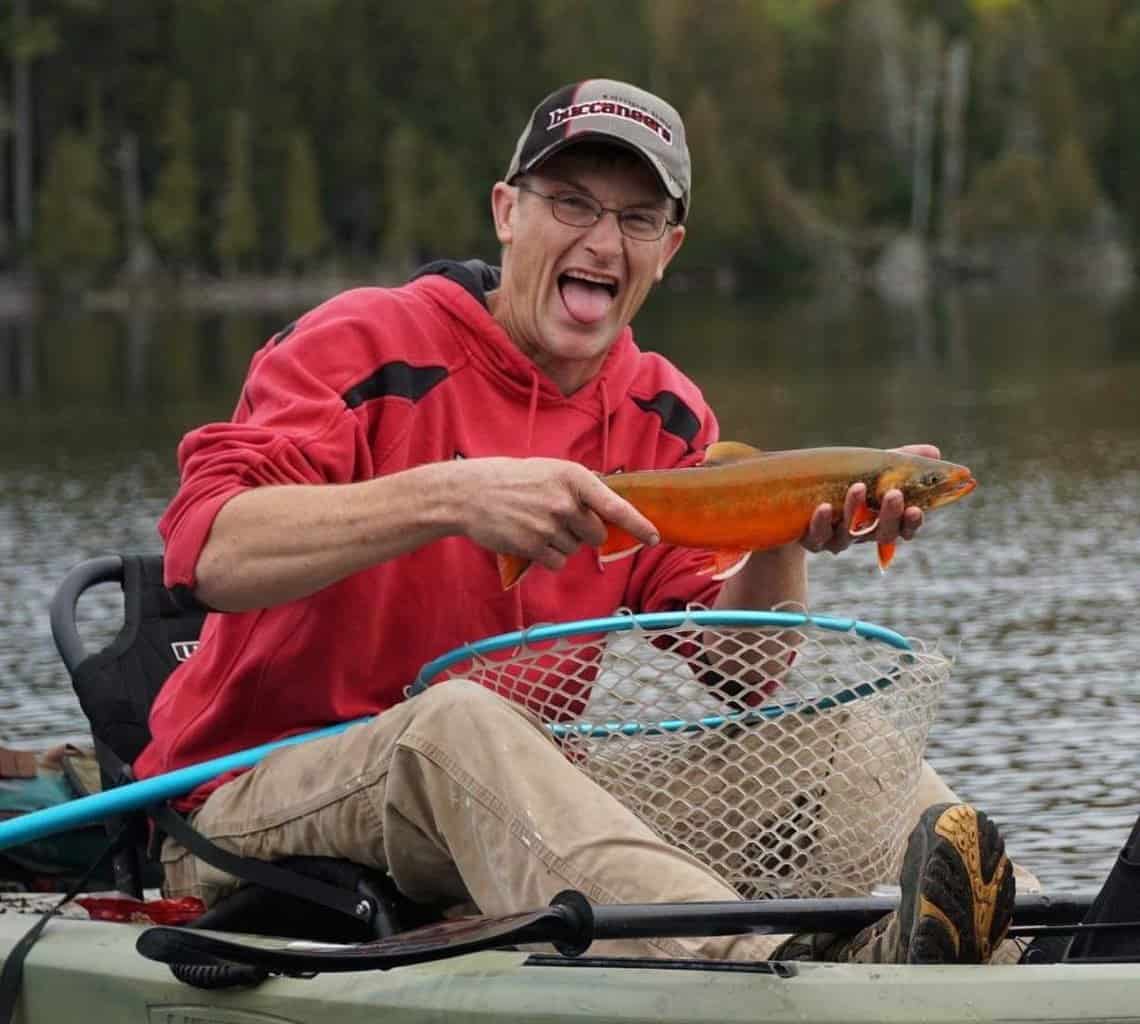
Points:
(292, 427)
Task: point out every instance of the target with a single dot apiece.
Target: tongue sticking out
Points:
(586, 303)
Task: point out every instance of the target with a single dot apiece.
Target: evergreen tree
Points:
(849, 198)
(1073, 191)
(720, 214)
(237, 234)
(304, 226)
(4, 129)
(1009, 196)
(802, 97)
(447, 223)
(75, 234)
(401, 200)
(874, 105)
(172, 214)
(1119, 163)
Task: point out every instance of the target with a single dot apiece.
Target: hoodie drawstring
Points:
(605, 424)
(605, 395)
(531, 416)
(532, 411)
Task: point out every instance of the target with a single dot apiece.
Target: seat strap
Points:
(260, 872)
(12, 976)
(352, 904)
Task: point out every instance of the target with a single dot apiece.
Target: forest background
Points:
(188, 147)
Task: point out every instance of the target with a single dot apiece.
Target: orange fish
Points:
(741, 499)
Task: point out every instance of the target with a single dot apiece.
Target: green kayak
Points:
(91, 971)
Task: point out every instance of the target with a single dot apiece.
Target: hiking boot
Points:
(957, 894)
(956, 905)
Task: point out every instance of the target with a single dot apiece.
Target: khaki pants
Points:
(462, 797)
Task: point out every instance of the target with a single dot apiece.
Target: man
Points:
(385, 448)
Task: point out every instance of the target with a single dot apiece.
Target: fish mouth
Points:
(957, 485)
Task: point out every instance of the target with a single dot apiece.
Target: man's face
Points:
(568, 292)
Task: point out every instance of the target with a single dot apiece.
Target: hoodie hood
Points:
(474, 276)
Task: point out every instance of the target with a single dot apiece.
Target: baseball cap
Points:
(600, 109)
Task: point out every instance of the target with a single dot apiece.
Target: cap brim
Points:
(672, 188)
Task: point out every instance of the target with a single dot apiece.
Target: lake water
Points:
(1033, 582)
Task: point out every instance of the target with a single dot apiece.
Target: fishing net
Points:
(781, 750)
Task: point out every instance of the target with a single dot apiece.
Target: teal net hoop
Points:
(780, 748)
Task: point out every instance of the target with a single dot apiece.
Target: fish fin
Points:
(864, 521)
(512, 568)
(725, 563)
(722, 452)
(886, 553)
(617, 556)
(618, 544)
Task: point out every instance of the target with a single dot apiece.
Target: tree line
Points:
(184, 138)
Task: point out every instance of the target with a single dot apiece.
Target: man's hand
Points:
(540, 509)
(895, 522)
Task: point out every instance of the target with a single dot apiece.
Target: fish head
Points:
(925, 483)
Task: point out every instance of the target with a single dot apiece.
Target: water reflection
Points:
(1033, 581)
(17, 359)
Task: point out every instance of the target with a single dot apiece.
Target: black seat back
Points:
(117, 684)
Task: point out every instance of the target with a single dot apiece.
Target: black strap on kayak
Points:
(352, 904)
(12, 975)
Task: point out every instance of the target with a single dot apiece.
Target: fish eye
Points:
(930, 480)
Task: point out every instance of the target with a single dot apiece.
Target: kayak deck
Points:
(90, 970)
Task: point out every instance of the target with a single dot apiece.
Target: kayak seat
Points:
(317, 898)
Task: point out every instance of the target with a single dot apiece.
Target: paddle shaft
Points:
(647, 920)
(90, 810)
(571, 923)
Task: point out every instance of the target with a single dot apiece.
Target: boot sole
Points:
(962, 903)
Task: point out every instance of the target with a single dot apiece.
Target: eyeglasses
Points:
(578, 210)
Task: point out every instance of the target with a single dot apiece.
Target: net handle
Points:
(653, 620)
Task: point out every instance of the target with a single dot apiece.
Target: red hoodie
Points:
(375, 381)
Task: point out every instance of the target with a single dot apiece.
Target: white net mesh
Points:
(786, 759)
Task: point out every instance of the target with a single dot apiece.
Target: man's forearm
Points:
(275, 544)
(755, 662)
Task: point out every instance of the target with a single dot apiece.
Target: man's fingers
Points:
(927, 451)
(564, 541)
(551, 558)
(895, 521)
(890, 515)
(856, 498)
(612, 508)
(840, 538)
(588, 527)
(911, 523)
(819, 530)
